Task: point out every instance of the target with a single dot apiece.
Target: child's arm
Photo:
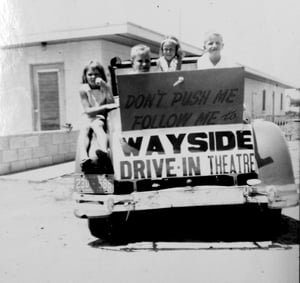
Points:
(93, 111)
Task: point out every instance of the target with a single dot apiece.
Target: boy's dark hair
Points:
(96, 66)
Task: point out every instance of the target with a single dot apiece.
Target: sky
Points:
(261, 34)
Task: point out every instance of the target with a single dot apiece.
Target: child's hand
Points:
(100, 82)
(111, 106)
(100, 117)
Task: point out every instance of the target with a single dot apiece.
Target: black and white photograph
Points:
(149, 141)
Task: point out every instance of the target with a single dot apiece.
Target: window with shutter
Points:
(48, 108)
(264, 100)
(49, 100)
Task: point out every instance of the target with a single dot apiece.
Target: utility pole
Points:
(179, 24)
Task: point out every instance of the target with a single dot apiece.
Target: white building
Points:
(265, 96)
(293, 101)
(40, 81)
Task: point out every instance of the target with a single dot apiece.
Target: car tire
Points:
(264, 223)
(101, 228)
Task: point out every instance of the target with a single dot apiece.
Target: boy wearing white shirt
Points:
(212, 58)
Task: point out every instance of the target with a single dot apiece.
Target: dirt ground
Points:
(42, 241)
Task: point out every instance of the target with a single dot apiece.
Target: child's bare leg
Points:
(101, 138)
(101, 135)
(84, 140)
(101, 152)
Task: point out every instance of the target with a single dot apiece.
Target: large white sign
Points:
(184, 152)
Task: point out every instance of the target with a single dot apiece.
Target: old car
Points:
(179, 140)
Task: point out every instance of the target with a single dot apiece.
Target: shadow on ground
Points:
(201, 225)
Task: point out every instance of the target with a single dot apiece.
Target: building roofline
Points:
(120, 33)
(128, 34)
(263, 77)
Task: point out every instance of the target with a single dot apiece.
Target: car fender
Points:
(272, 154)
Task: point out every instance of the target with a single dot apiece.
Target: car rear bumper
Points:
(96, 205)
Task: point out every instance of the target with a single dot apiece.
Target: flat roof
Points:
(263, 77)
(126, 33)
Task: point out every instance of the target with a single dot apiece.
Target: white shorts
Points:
(94, 122)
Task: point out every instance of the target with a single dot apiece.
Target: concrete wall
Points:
(34, 150)
(21, 147)
(253, 99)
(16, 99)
(16, 102)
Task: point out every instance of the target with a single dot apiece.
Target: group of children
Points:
(96, 95)
(171, 55)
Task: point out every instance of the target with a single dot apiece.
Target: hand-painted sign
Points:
(181, 99)
(184, 152)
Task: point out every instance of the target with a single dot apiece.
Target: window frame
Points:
(264, 98)
(37, 69)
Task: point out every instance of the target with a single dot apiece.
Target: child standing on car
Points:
(96, 99)
(140, 58)
(170, 55)
(212, 57)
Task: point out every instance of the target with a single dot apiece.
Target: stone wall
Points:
(33, 150)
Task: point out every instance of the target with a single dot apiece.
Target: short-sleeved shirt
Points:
(163, 65)
(205, 63)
